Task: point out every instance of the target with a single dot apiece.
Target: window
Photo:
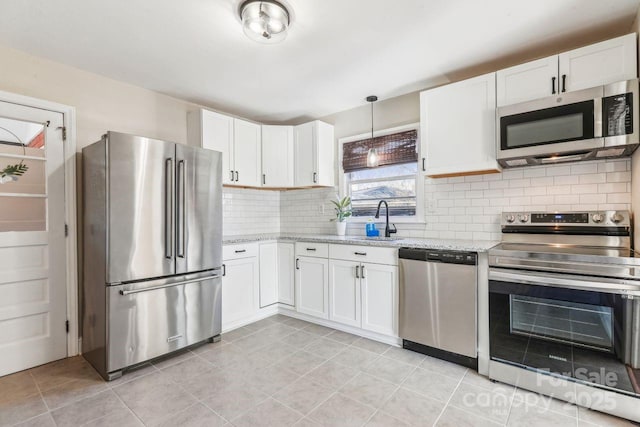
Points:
(395, 180)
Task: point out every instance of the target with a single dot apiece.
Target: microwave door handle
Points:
(597, 118)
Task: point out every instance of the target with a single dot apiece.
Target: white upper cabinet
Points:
(598, 64)
(606, 62)
(314, 155)
(246, 153)
(238, 140)
(457, 127)
(277, 156)
(524, 82)
(213, 131)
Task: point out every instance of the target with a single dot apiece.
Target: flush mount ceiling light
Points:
(373, 159)
(264, 21)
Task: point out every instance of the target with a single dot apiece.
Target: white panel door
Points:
(33, 293)
(268, 274)
(277, 156)
(286, 273)
(606, 62)
(380, 298)
(239, 290)
(344, 292)
(217, 134)
(312, 286)
(305, 159)
(524, 82)
(246, 156)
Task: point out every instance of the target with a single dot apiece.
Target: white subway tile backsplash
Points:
(460, 207)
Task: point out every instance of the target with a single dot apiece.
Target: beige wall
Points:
(101, 103)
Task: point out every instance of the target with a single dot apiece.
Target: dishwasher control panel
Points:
(449, 257)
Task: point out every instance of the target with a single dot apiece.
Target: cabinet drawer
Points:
(372, 254)
(241, 250)
(318, 250)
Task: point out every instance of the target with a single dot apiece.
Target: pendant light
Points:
(264, 21)
(373, 159)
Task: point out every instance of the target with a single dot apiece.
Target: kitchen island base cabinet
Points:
(312, 286)
(379, 287)
(344, 292)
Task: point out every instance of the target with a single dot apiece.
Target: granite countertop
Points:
(395, 242)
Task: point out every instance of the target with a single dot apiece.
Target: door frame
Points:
(70, 215)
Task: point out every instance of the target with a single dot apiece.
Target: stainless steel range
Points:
(564, 308)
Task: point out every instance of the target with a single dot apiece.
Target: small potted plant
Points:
(343, 211)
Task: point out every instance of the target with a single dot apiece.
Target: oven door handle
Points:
(610, 286)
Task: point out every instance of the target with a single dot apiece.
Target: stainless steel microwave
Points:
(590, 124)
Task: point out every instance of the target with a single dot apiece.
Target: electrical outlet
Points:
(321, 208)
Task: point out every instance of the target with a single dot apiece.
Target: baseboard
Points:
(263, 313)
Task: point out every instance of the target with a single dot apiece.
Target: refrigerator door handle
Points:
(168, 285)
(182, 213)
(168, 211)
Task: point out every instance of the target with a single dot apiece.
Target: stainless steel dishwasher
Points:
(438, 304)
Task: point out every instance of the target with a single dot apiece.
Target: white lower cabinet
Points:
(312, 286)
(239, 290)
(268, 274)
(344, 292)
(379, 288)
(286, 275)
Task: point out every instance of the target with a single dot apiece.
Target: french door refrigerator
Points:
(152, 249)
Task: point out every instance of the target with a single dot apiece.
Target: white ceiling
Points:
(337, 51)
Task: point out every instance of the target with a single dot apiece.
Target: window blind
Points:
(392, 149)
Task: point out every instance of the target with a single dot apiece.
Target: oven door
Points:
(561, 124)
(581, 328)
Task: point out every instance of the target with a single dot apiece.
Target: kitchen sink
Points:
(379, 239)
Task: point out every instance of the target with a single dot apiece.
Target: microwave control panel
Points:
(617, 114)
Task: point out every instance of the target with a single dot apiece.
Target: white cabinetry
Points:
(379, 288)
(238, 140)
(598, 64)
(457, 127)
(276, 274)
(314, 154)
(286, 276)
(268, 274)
(277, 156)
(363, 293)
(312, 279)
(344, 292)
(246, 153)
(240, 283)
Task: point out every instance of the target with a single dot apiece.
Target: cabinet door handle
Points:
(311, 249)
(357, 275)
(360, 253)
(237, 176)
(315, 177)
(362, 272)
(297, 263)
(231, 172)
(553, 85)
(240, 251)
(564, 82)
(224, 270)
(264, 179)
(424, 167)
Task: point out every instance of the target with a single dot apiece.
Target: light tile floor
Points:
(281, 372)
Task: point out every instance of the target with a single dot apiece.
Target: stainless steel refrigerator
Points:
(152, 249)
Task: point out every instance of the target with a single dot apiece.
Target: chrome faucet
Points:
(387, 230)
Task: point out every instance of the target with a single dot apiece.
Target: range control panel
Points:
(577, 219)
